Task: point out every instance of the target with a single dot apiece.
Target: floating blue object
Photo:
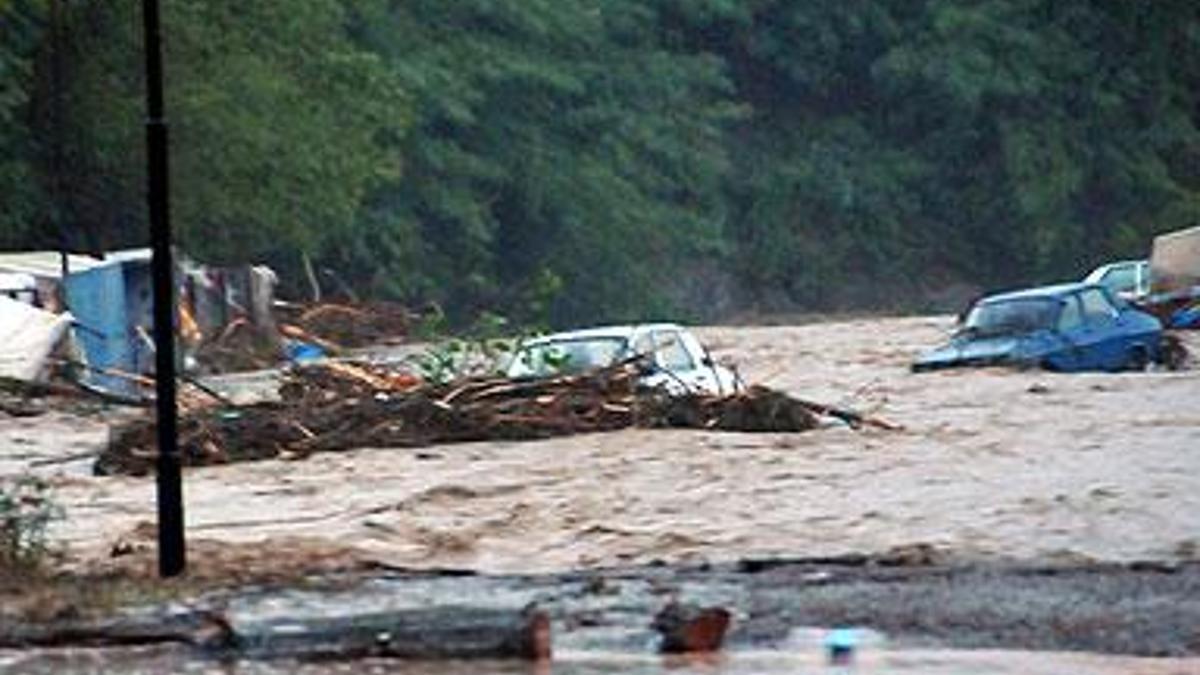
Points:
(299, 352)
(1186, 318)
(840, 644)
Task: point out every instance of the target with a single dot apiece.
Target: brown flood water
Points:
(991, 464)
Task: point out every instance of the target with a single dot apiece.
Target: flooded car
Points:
(675, 359)
(1067, 327)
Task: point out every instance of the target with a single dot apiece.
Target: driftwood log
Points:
(687, 628)
(427, 633)
(202, 629)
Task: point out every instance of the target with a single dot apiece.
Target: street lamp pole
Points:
(171, 547)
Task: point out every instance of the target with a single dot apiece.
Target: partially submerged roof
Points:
(1052, 292)
(1098, 273)
(48, 264)
(16, 281)
(621, 332)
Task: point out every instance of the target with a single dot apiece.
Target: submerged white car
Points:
(675, 359)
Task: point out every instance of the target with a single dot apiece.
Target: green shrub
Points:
(26, 510)
(483, 351)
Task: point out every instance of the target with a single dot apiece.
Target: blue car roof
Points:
(1053, 292)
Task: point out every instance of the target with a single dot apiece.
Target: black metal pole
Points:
(171, 548)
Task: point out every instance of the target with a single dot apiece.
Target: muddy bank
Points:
(601, 620)
(882, 662)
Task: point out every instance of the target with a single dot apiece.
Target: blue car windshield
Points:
(1007, 317)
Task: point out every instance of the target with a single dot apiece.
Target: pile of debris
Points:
(340, 406)
(349, 326)
(241, 346)
(299, 332)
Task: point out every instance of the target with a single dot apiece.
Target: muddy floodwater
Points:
(991, 464)
(992, 467)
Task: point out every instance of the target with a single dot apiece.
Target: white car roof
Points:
(1099, 272)
(622, 332)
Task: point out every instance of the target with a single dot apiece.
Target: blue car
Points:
(1068, 327)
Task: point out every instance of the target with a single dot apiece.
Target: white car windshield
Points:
(1122, 279)
(566, 356)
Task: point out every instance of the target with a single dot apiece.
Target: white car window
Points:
(644, 344)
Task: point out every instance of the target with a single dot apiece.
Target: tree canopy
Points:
(578, 161)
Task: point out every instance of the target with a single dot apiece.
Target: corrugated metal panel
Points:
(97, 299)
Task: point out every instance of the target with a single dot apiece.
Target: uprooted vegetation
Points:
(26, 509)
(351, 325)
(339, 406)
(331, 327)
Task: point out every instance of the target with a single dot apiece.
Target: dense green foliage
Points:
(588, 160)
(20, 189)
(268, 154)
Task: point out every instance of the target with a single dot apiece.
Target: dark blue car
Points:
(1068, 327)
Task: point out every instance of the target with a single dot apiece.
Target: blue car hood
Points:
(971, 351)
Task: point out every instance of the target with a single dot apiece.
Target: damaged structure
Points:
(104, 307)
(28, 336)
